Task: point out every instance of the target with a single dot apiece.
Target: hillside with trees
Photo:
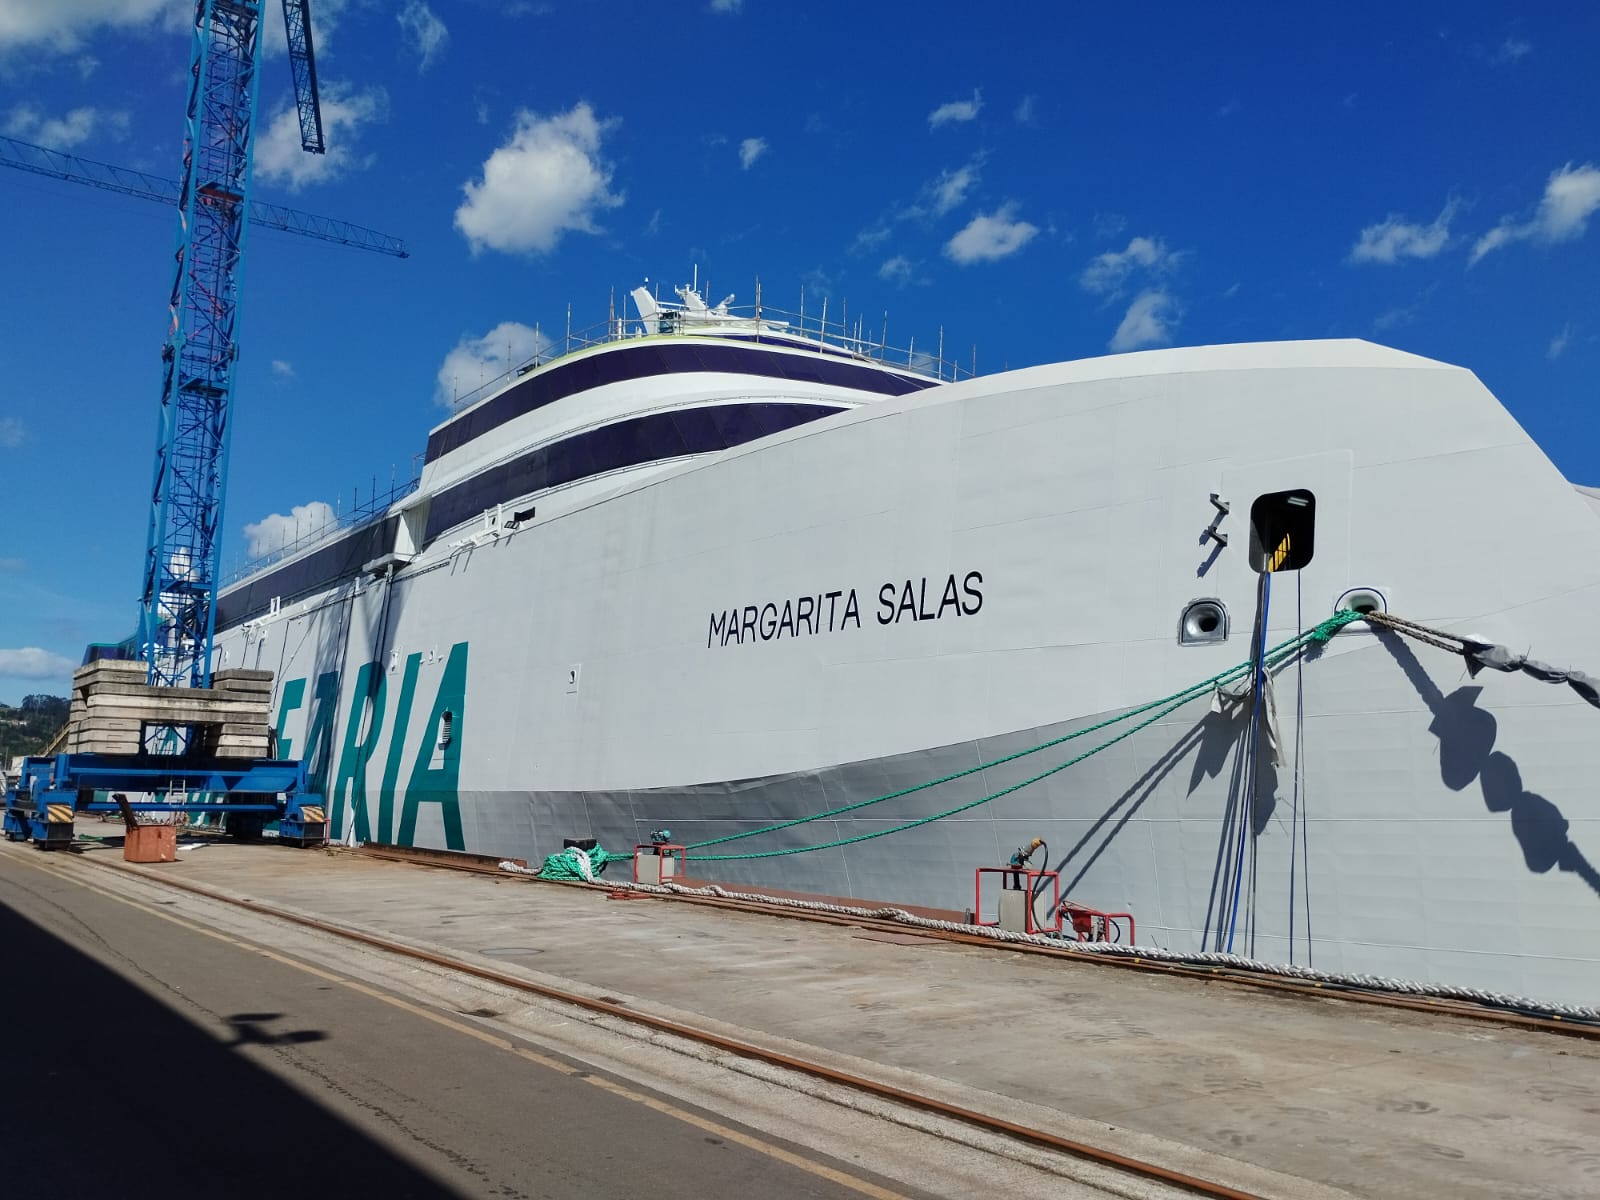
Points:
(27, 728)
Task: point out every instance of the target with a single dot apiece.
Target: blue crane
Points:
(54, 164)
(183, 549)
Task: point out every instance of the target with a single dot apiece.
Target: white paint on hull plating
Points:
(1435, 826)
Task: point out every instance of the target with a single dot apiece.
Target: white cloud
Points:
(283, 368)
(64, 132)
(1109, 225)
(279, 158)
(1558, 344)
(725, 6)
(1108, 274)
(897, 270)
(1148, 322)
(1514, 49)
(1571, 195)
(990, 236)
(1025, 111)
(937, 198)
(12, 432)
(13, 564)
(423, 31)
(956, 110)
(949, 190)
(817, 281)
(61, 25)
(751, 149)
(477, 361)
(30, 662)
(870, 239)
(1395, 318)
(547, 180)
(1394, 238)
(277, 531)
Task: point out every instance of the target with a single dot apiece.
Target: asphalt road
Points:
(140, 1057)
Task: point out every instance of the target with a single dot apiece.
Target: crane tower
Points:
(183, 550)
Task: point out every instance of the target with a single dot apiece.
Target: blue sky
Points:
(1044, 181)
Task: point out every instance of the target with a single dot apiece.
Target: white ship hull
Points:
(914, 586)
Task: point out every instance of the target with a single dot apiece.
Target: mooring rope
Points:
(1365, 982)
(1319, 635)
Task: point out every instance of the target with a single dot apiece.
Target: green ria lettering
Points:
(436, 769)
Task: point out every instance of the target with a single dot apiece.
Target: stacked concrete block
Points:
(112, 706)
(243, 733)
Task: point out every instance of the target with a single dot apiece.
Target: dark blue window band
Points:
(612, 447)
(338, 561)
(628, 443)
(658, 358)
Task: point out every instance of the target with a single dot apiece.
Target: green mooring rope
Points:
(1318, 635)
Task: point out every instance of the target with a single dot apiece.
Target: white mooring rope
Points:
(1374, 983)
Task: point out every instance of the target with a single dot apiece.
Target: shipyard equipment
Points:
(248, 792)
(161, 726)
(183, 549)
(125, 181)
(1029, 900)
(225, 768)
(660, 860)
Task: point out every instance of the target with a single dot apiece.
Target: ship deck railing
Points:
(759, 323)
(344, 514)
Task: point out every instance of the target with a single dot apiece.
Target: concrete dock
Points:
(1274, 1094)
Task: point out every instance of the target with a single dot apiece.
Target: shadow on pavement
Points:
(104, 1092)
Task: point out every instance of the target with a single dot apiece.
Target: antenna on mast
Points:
(941, 352)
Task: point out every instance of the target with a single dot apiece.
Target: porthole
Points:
(1203, 622)
(1362, 600)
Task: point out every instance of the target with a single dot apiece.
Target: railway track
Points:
(487, 865)
(1043, 1139)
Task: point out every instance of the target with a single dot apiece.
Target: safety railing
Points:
(849, 336)
(318, 522)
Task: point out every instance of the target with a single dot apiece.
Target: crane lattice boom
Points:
(303, 63)
(178, 605)
(41, 160)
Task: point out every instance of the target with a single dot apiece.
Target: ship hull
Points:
(932, 583)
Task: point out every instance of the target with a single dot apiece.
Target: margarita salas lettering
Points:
(924, 599)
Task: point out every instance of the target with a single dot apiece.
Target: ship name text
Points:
(921, 599)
